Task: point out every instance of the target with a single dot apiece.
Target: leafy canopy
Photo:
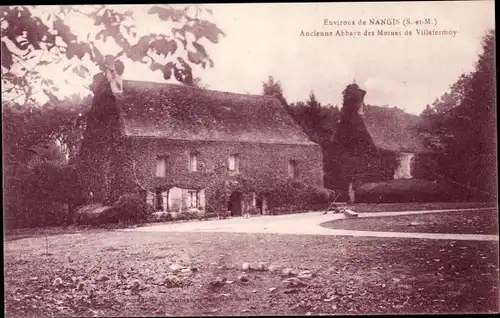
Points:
(34, 36)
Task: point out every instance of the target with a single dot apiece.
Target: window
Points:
(292, 169)
(161, 165)
(233, 164)
(193, 162)
(193, 199)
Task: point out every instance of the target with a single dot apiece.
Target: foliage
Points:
(462, 125)
(188, 215)
(415, 190)
(340, 160)
(352, 99)
(27, 126)
(253, 211)
(95, 215)
(40, 188)
(273, 88)
(30, 40)
(299, 194)
(220, 187)
(319, 122)
(39, 148)
(131, 207)
(43, 195)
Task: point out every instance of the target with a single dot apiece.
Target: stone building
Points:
(176, 145)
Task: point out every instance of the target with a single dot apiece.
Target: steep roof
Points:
(393, 129)
(187, 113)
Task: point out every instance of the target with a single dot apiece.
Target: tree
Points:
(197, 82)
(463, 127)
(273, 88)
(40, 145)
(313, 102)
(30, 40)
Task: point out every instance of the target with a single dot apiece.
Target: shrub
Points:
(415, 190)
(300, 195)
(95, 214)
(130, 207)
(253, 211)
(188, 215)
(161, 217)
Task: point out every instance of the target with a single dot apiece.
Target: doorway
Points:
(261, 204)
(234, 204)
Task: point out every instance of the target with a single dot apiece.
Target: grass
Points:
(455, 222)
(353, 275)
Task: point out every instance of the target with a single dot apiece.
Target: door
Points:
(234, 204)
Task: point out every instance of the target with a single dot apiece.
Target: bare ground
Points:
(454, 222)
(129, 274)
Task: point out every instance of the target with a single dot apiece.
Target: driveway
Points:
(306, 224)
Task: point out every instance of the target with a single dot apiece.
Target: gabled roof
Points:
(393, 129)
(187, 113)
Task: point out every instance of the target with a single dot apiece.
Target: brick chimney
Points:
(111, 72)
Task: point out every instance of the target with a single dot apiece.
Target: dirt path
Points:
(308, 224)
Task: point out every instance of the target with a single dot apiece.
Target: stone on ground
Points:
(243, 278)
(350, 213)
(288, 272)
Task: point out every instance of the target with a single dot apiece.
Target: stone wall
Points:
(260, 165)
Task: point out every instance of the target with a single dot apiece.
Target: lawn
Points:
(135, 274)
(454, 222)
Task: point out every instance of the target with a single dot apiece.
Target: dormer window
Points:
(292, 169)
(233, 164)
(161, 166)
(193, 162)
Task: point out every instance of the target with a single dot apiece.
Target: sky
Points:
(264, 39)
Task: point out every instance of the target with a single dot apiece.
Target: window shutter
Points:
(202, 199)
(165, 200)
(150, 199)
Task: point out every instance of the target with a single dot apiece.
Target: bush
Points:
(292, 195)
(187, 215)
(414, 190)
(130, 207)
(253, 211)
(161, 217)
(95, 214)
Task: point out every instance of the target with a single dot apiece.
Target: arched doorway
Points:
(234, 204)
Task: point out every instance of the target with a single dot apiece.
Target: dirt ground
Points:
(455, 222)
(112, 273)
